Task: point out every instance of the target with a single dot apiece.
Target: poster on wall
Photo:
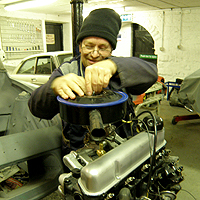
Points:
(126, 17)
(50, 39)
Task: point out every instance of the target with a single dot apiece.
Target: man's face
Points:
(94, 49)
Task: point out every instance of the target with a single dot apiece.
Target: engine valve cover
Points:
(102, 174)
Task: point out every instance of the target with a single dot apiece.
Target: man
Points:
(92, 71)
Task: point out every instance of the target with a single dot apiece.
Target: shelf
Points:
(23, 51)
(21, 36)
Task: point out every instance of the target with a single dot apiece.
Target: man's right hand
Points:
(66, 86)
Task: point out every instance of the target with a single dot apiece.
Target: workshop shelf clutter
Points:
(21, 37)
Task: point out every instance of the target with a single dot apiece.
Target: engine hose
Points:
(125, 194)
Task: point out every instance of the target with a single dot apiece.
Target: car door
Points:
(35, 70)
(26, 71)
(43, 70)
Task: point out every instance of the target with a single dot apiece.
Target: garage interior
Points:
(182, 138)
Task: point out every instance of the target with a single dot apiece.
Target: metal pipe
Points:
(77, 19)
(96, 126)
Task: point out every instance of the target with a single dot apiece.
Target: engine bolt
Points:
(67, 181)
(109, 196)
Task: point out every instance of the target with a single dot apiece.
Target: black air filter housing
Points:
(110, 104)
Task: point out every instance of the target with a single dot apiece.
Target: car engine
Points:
(111, 167)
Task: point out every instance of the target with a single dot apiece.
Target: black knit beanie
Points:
(104, 23)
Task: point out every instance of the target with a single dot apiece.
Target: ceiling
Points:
(61, 7)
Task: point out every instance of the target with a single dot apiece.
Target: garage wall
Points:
(176, 35)
(31, 18)
(124, 41)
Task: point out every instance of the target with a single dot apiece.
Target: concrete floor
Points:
(184, 141)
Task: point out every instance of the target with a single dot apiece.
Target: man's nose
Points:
(95, 52)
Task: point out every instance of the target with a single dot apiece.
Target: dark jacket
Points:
(134, 74)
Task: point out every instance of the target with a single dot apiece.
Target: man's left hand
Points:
(97, 76)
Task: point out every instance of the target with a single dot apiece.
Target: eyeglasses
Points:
(101, 51)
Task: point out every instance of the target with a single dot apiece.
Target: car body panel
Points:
(26, 140)
(37, 79)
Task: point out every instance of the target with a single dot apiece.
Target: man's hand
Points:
(65, 86)
(97, 76)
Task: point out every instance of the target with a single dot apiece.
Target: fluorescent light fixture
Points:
(28, 4)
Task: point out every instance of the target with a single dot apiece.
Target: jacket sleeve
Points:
(43, 102)
(135, 74)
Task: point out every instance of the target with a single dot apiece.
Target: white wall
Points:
(67, 36)
(124, 43)
(64, 19)
(176, 35)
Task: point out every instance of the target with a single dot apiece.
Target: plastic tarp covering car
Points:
(189, 93)
(30, 148)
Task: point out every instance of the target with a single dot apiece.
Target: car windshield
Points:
(28, 67)
(64, 57)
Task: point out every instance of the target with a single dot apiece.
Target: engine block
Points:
(135, 167)
(123, 171)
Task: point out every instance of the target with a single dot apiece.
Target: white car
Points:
(37, 68)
